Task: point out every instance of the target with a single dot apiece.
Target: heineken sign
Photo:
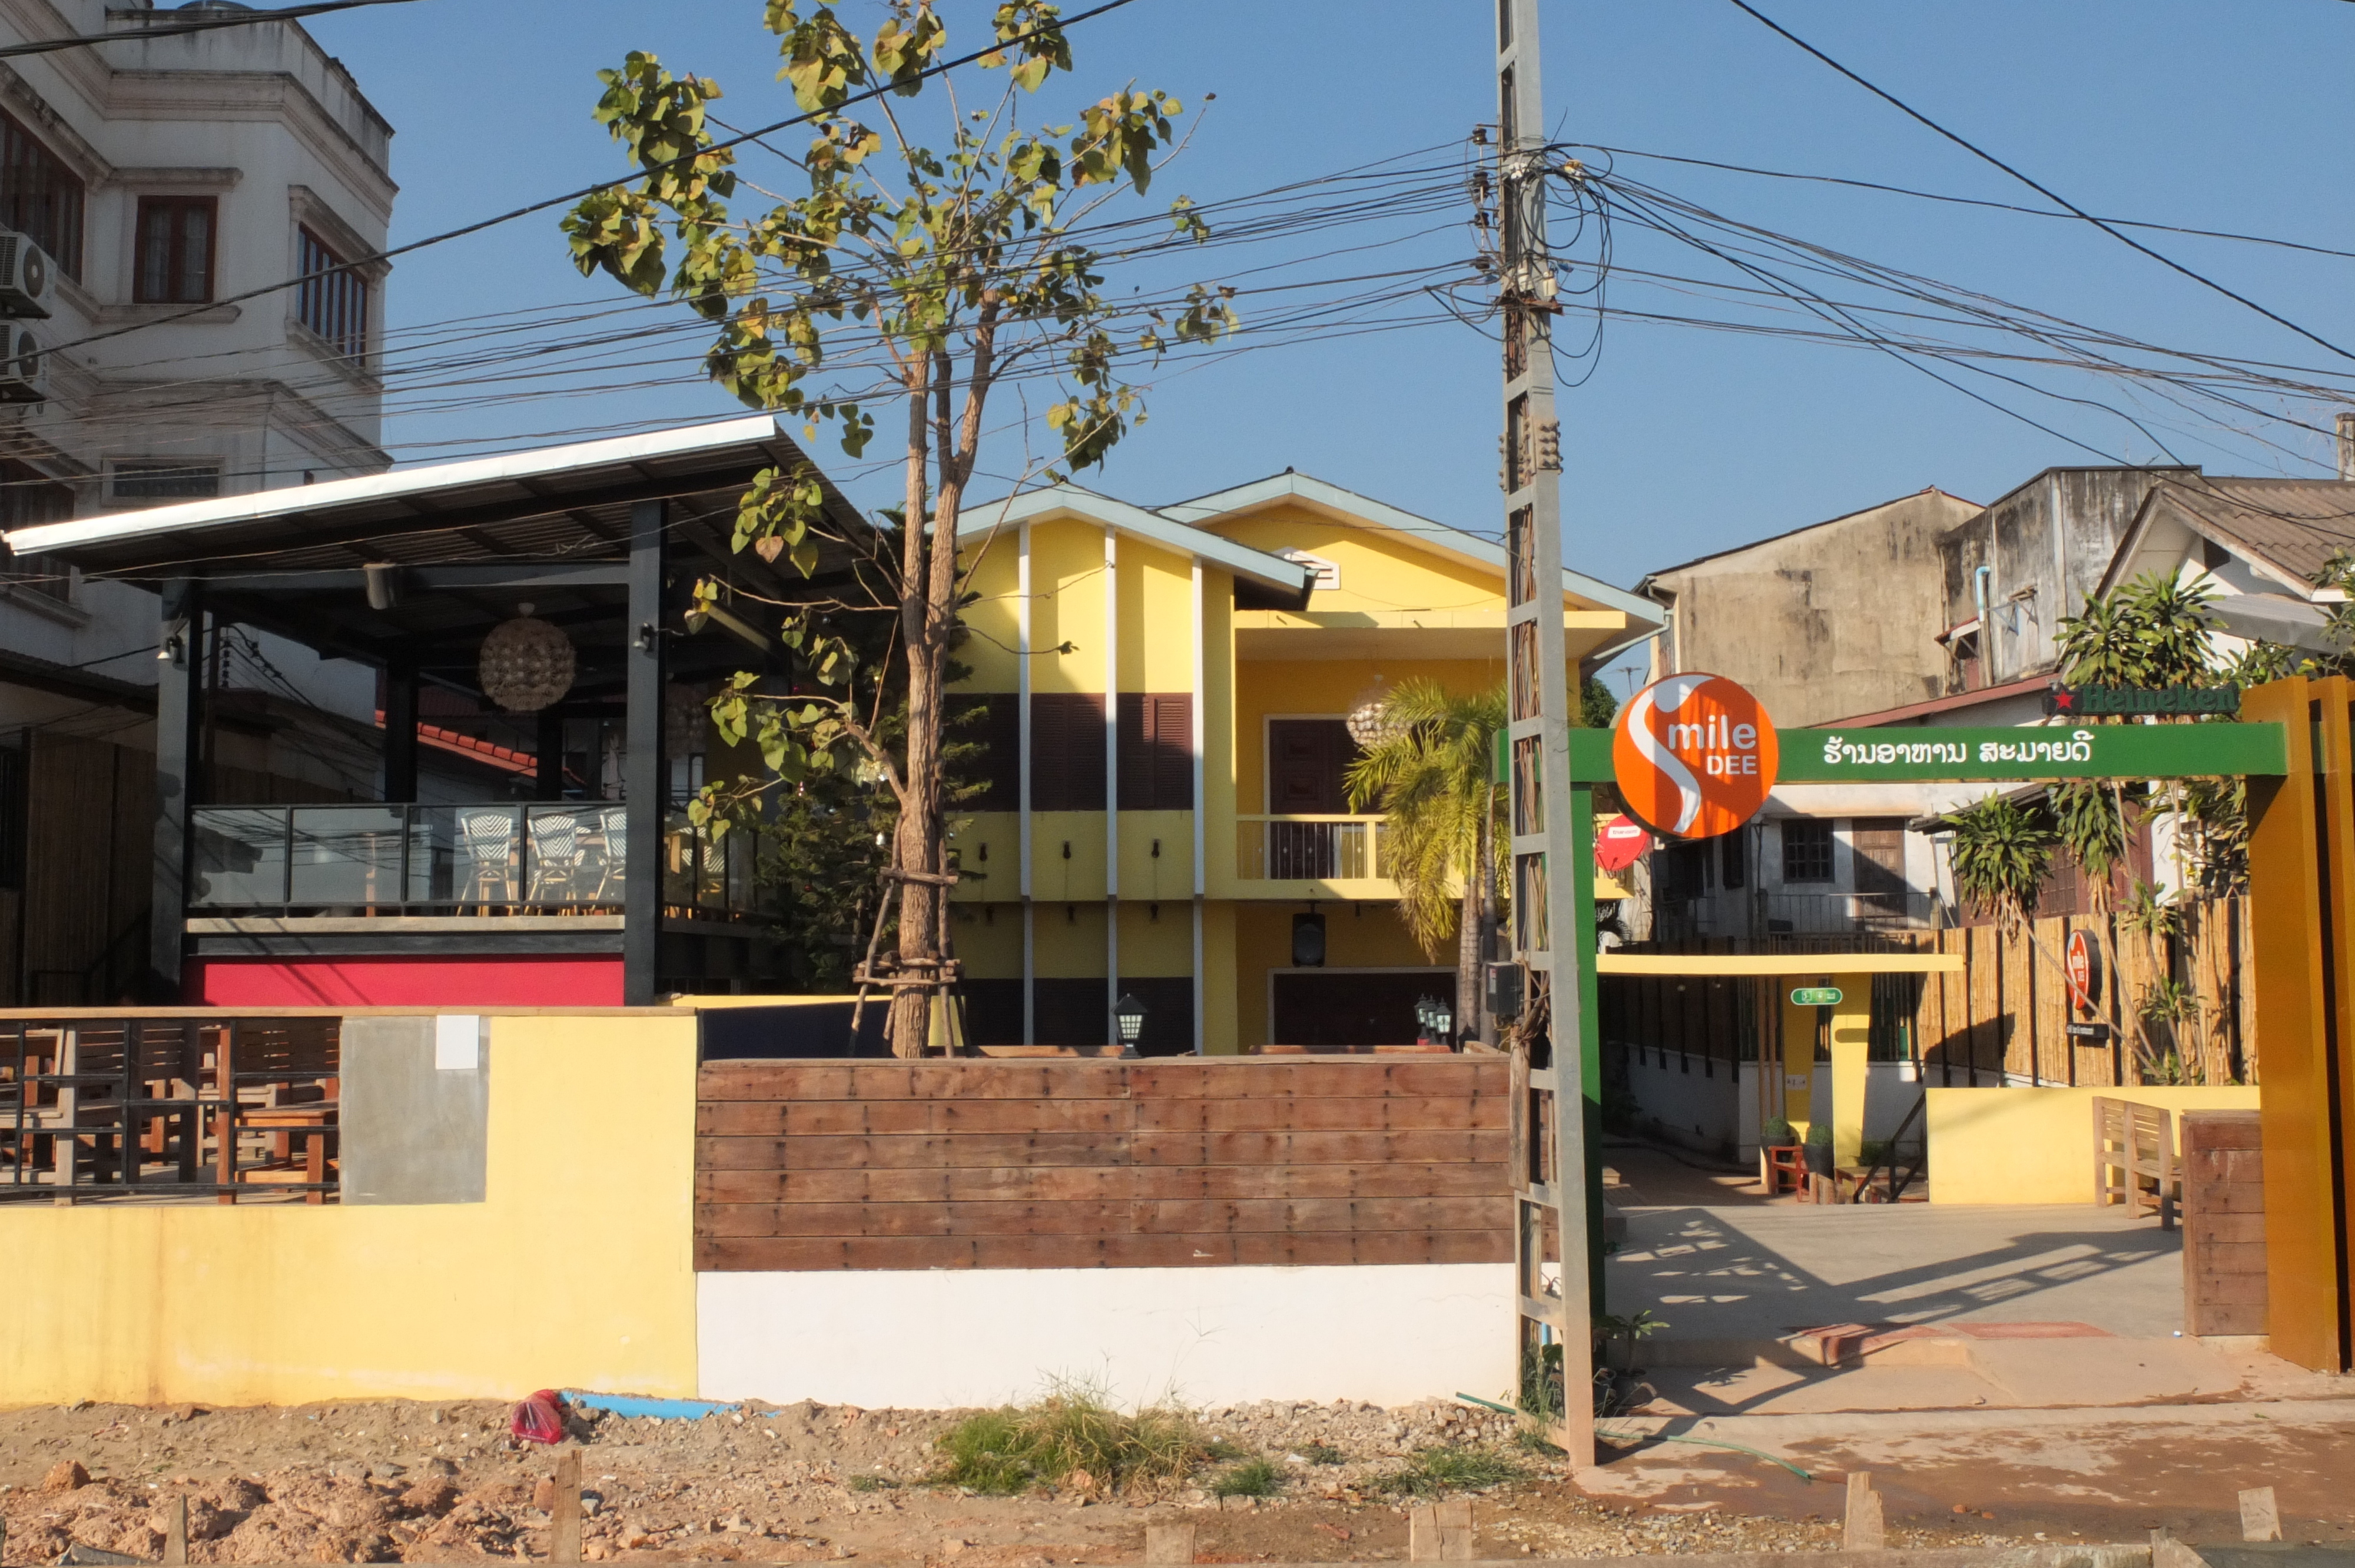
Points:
(2115, 702)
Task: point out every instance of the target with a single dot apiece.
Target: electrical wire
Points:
(2050, 195)
(204, 23)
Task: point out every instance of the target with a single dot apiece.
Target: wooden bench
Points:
(2134, 1159)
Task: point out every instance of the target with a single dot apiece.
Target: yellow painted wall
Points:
(1069, 943)
(1219, 1034)
(577, 1270)
(1157, 619)
(988, 846)
(1156, 944)
(1145, 875)
(995, 617)
(1326, 688)
(2036, 1146)
(1380, 570)
(1357, 936)
(989, 940)
(1056, 877)
(1067, 605)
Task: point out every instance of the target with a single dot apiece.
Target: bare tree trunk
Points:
(912, 845)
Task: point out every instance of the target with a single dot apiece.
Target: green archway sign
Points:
(1816, 996)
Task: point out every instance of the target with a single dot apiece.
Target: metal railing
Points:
(1759, 915)
(155, 1108)
(1308, 848)
(492, 859)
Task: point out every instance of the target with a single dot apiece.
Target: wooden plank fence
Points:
(2004, 1018)
(1099, 1163)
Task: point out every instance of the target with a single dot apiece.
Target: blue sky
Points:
(1680, 441)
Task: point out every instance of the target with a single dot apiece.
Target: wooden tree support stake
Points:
(176, 1530)
(2260, 1515)
(1440, 1533)
(564, 1514)
(1862, 1532)
(1170, 1543)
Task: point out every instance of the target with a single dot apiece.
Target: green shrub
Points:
(1323, 1454)
(1073, 1429)
(1252, 1478)
(1435, 1470)
(1780, 1133)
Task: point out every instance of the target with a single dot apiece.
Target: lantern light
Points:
(1129, 1014)
(526, 664)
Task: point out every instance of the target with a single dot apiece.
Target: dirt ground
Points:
(402, 1482)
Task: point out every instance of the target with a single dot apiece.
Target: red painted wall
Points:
(405, 982)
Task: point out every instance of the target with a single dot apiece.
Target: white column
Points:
(1202, 882)
(1022, 769)
(1111, 779)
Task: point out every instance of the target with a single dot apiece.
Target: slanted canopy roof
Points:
(470, 541)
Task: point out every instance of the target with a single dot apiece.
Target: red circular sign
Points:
(2080, 965)
(1620, 842)
(1694, 754)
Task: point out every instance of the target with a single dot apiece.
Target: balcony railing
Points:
(1760, 915)
(408, 860)
(1308, 848)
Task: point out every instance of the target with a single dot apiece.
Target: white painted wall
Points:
(1696, 1103)
(1388, 1334)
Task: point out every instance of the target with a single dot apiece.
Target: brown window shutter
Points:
(1067, 752)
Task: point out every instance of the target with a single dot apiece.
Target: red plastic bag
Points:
(540, 1419)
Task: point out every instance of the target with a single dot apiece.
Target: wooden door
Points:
(1306, 759)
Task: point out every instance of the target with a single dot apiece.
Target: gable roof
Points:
(1654, 576)
(2286, 528)
(1423, 533)
(989, 517)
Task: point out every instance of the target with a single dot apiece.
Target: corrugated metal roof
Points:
(2296, 525)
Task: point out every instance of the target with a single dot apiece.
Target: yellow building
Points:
(1190, 841)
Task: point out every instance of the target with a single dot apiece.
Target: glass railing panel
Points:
(466, 857)
(575, 856)
(345, 856)
(237, 857)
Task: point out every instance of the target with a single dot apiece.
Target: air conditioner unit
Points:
(25, 272)
(24, 366)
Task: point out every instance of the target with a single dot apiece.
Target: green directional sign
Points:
(1816, 996)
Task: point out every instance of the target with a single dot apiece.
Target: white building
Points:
(165, 178)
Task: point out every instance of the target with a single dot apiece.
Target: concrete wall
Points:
(576, 1269)
(1391, 1334)
(2036, 1146)
(1829, 620)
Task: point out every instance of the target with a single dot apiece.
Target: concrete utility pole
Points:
(1546, 938)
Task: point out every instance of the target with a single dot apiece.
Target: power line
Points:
(207, 24)
(1956, 200)
(2045, 191)
(588, 191)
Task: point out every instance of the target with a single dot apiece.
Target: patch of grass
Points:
(873, 1484)
(1323, 1454)
(1074, 1430)
(1529, 1440)
(1435, 1470)
(1252, 1478)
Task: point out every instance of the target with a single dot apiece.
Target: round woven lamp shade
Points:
(526, 664)
(1368, 717)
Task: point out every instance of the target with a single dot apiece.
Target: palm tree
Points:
(1432, 771)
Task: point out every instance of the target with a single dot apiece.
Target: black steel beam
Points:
(401, 731)
(643, 774)
(176, 689)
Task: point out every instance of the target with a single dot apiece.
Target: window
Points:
(1156, 751)
(332, 302)
(27, 497)
(176, 250)
(1067, 751)
(1807, 850)
(152, 482)
(39, 196)
(1733, 860)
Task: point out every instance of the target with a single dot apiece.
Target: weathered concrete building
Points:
(1821, 621)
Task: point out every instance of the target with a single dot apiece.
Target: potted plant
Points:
(1779, 1134)
(1819, 1148)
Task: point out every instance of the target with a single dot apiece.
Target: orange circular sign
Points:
(1694, 754)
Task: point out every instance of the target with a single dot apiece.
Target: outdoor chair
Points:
(557, 853)
(488, 839)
